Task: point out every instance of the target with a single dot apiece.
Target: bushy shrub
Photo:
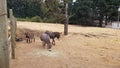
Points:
(27, 19)
(49, 20)
(36, 19)
(21, 19)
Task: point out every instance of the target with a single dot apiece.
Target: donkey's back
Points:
(46, 40)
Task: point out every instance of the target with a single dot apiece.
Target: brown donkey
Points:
(29, 37)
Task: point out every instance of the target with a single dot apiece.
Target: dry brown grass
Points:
(84, 47)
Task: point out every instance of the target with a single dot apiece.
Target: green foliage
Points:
(21, 19)
(86, 11)
(24, 19)
(82, 12)
(33, 19)
(50, 20)
(36, 19)
(25, 8)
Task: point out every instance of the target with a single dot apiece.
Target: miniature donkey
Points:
(46, 40)
(29, 37)
(53, 35)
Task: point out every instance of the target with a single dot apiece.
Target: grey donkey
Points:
(46, 40)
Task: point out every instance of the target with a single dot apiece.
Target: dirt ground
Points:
(84, 47)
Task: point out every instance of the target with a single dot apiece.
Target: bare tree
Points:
(66, 20)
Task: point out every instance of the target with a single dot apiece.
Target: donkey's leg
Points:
(29, 40)
(43, 44)
(34, 39)
(53, 42)
(26, 40)
(49, 46)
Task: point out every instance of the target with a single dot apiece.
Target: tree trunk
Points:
(105, 19)
(66, 20)
(100, 23)
(100, 20)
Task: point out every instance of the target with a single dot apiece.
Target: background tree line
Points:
(81, 12)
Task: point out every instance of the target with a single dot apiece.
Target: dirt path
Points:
(84, 47)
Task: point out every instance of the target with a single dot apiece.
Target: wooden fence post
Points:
(4, 54)
(13, 32)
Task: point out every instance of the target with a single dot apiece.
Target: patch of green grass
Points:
(33, 19)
